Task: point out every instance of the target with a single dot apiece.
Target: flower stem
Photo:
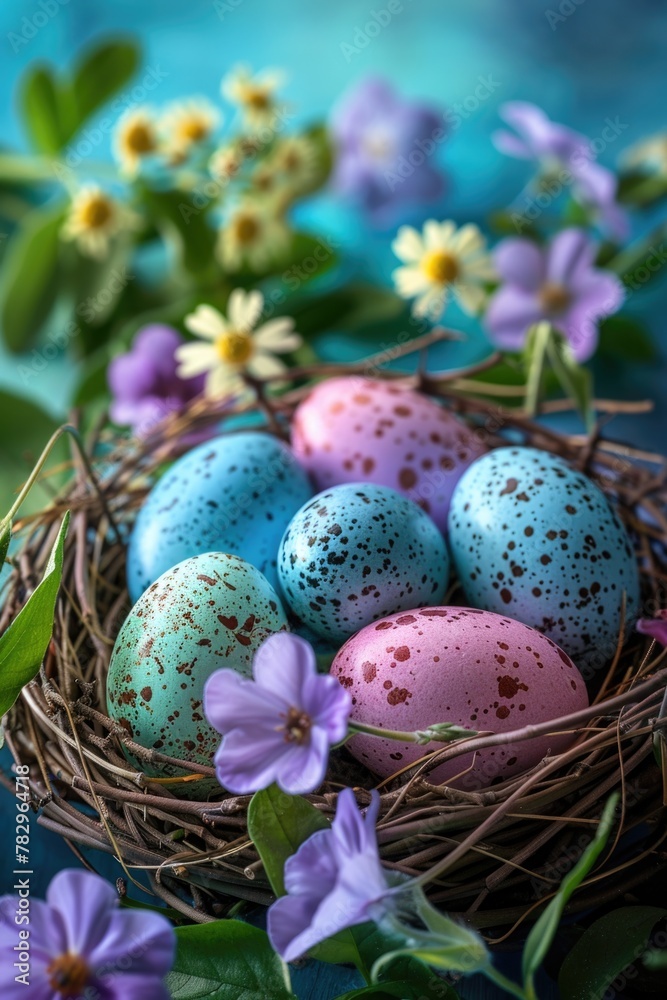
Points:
(440, 732)
(506, 984)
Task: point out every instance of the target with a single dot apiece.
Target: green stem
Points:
(32, 478)
(441, 732)
(507, 984)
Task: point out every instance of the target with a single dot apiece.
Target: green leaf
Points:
(535, 357)
(183, 226)
(24, 644)
(101, 72)
(626, 339)
(5, 539)
(353, 307)
(31, 427)
(29, 285)
(575, 380)
(278, 824)
(608, 946)
(416, 988)
(226, 960)
(17, 169)
(39, 101)
(542, 933)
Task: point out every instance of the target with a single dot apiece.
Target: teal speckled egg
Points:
(207, 612)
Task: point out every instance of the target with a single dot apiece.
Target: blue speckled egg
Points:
(236, 493)
(358, 552)
(533, 539)
(211, 611)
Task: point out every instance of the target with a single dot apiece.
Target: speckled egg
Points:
(476, 669)
(534, 539)
(235, 494)
(357, 429)
(207, 612)
(358, 552)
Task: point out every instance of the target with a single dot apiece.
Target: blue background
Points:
(601, 59)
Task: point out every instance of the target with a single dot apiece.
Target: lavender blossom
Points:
(385, 151)
(656, 627)
(144, 382)
(558, 283)
(561, 151)
(335, 880)
(280, 726)
(80, 944)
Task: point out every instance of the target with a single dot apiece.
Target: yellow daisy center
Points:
(96, 212)
(554, 298)
(193, 129)
(441, 267)
(246, 229)
(258, 98)
(263, 180)
(68, 975)
(234, 347)
(139, 138)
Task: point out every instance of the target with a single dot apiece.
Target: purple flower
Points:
(557, 283)
(385, 149)
(144, 382)
(656, 627)
(280, 726)
(559, 149)
(335, 880)
(80, 944)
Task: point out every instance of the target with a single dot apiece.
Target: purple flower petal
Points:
(84, 902)
(130, 987)
(282, 664)
(510, 313)
(316, 853)
(305, 768)
(509, 144)
(251, 759)
(329, 704)
(232, 701)
(520, 262)
(130, 377)
(571, 251)
(136, 942)
(655, 628)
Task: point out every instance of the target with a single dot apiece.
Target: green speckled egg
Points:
(207, 612)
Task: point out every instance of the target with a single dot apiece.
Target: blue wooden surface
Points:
(605, 59)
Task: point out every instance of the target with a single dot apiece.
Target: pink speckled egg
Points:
(474, 668)
(354, 429)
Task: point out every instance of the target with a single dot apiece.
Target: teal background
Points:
(603, 60)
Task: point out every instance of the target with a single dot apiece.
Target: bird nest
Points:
(496, 855)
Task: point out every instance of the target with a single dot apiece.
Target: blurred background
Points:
(596, 65)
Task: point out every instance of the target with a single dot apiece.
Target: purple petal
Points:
(232, 701)
(596, 184)
(544, 137)
(282, 665)
(135, 942)
(353, 833)
(304, 770)
(287, 920)
(47, 931)
(130, 987)
(329, 705)
(314, 855)
(509, 144)
(655, 628)
(85, 902)
(520, 262)
(39, 987)
(510, 313)
(570, 251)
(131, 376)
(250, 759)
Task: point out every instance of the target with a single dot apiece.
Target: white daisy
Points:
(233, 347)
(255, 95)
(185, 124)
(225, 163)
(135, 137)
(253, 236)
(94, 219)
(297, 157)
(442, 260)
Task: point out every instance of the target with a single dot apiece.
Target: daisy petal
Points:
(278, 335)
(223, 381)
(265, 365)
(195, 359)
(206, 322)
(471, 297)
(408, 245)
(244, 308)
(410, 281)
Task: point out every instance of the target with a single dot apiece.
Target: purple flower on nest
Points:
(656, 627)
(81, 944)
(385, 150)
(335, 880)
(280, 726)
(144, 382)
(559, 150)
(557, 283)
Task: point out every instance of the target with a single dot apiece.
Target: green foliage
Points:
(227, 960)
(39, 102)
(614, 942)
(623, 338)
(30, 428)
(29, 285)
(543, 931)
(24, 643)
(278, 824)
(546, 349)
(101, 72)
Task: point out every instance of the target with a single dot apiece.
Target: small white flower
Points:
(255, 95)
(254, 235)
(650, 154)
(297, 157)
(232, 346)
(442, 260)
(135, 138)
(225, 163)
(94, 219)
(185, 124)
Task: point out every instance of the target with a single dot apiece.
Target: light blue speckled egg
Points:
(533, 539)
(207, 612)
(236, 493)
(358, 552)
